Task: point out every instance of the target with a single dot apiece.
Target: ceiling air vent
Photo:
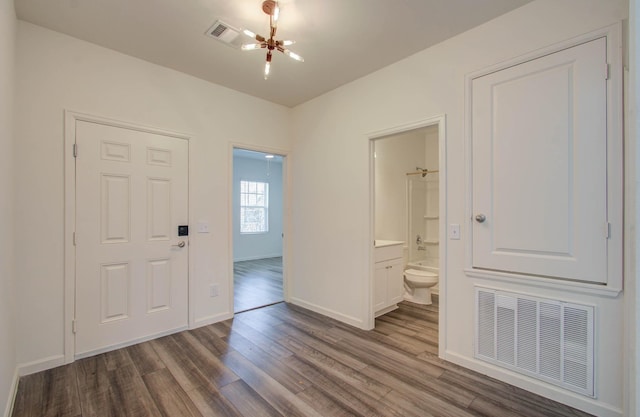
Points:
(226, 34)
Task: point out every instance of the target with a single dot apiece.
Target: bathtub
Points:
(426, 265)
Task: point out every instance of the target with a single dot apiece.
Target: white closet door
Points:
(132, 193)
(539, 164)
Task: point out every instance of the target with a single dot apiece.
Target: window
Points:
(254, 207)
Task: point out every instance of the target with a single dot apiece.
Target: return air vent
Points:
(226, 34)
(550, 340)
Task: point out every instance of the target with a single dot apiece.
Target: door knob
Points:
(480, 218)
(180, 244)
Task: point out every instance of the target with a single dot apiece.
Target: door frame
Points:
(439, 121)
(286, 215)
(70, 119)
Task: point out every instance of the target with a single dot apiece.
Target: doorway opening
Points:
(408, 212)
(257, 204)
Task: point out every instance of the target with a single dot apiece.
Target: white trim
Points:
(193, 244)
(214, 318)
(13, 390)
(129, 342)
(631, 385)
(560, 395)
(613, 35)
(40, 365)
(544, 282)
(70, 120)
(353, 321)
(440, 121)
(369, 313)
(286, 215)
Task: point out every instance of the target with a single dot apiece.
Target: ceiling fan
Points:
(271, 8)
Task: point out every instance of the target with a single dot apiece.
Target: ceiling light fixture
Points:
(271, 8)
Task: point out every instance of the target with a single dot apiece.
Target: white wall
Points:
(395, 156)
(56, 72)
(336, 127)
(259, 245)
(7, 270)
(7, 266)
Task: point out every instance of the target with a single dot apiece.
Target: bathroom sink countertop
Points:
(382, 243)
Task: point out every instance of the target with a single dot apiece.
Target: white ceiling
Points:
(341, 40)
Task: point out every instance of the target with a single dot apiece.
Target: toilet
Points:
(417, 285)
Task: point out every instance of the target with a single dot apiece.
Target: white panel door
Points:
(131, 195)
(539, 149)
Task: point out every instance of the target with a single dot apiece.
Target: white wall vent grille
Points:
(550, 340)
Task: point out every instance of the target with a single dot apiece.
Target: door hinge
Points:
(75, 150)
(607, 230)
(607, 69)
(74, 327)
(74, 238)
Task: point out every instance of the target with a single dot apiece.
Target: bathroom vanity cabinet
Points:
(388, 283)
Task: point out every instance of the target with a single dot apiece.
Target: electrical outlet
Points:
(213, 290)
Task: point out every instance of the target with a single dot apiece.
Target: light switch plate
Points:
(454, 231)
(203, 227)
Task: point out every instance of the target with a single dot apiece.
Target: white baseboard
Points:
(12, 394)
(571, 399)
(353, 321)
(204, 321)
(40, 365)
(58, 360)
(129, 343)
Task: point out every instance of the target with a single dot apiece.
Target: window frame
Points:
(264, 206)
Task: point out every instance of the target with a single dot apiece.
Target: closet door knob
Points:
(480, 218)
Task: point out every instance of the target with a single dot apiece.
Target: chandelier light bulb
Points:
(294, 55)
(250, 46)
(267, 68)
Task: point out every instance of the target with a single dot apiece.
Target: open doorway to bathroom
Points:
(257, 229)
(408, 212)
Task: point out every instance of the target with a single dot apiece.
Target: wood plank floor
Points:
(280, 360)
(257, 283)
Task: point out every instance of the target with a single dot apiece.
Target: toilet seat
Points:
(418, 276)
